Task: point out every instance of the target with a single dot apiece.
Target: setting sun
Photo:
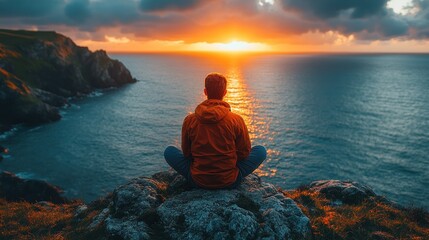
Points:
(236, 46)
(233, 46)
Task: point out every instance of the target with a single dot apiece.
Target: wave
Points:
(25, 175)
(96, 93)
(9, 133)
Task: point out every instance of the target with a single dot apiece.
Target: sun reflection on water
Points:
(242, 102)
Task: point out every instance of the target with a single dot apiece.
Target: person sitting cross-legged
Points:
(216, 147)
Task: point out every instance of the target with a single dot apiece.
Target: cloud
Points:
(160, 5)
(419, 22)
(217, 21)
(25, 8)
(78, 10)
(366, 19)
(333, 8)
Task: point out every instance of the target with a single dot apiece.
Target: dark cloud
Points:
(366, 19)
(220, 20)
(25, 8)
(160, 5)
(393, 26)
(333, 8)
(78, 10)
(419, 23)
(110, 13)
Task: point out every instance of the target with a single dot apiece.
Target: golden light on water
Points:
(242, 102)
(239, 98)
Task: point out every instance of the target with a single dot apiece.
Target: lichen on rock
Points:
(146, 208)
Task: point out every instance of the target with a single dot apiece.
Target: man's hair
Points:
(215, 84)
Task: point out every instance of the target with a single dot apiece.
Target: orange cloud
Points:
(188, 25)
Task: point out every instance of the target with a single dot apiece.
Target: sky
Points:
(229, 25)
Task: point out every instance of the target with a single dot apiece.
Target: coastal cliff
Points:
(39, 71)
(163, 206)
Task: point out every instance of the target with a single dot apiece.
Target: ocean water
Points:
(349, 117)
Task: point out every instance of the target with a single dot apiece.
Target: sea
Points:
(359, 117)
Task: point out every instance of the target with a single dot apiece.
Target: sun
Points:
(266, 2)
(234, 46)
(400, 6)
(239, 46)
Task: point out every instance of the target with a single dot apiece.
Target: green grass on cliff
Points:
(16, 38)
(14, 42)
(25, 69)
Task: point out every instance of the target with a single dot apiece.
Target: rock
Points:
(49, 98)
(348, 192)
(19, 105)
(80, 209)
(99, 218)
(55, 68)
(5, 127)
(3, 149)
(148, 207)
(13, 188)
(46, 205)
(105, 72)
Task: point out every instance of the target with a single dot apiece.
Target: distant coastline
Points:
(41, 71)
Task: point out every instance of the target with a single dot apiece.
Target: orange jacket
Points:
(214, 138)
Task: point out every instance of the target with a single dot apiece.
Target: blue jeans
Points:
(182, 165)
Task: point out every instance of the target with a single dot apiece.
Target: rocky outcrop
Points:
(348, 192)
(165, 207)
(13, 188)
(18, 104)
(40, 70)
(104, 72)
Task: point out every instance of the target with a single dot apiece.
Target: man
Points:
(215, 143)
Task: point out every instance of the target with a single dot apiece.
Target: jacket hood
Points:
(212, 111)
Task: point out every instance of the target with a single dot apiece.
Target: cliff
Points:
(164, 207)
(40, 70)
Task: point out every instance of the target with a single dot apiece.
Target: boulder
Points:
(348, 192)
(164, 206)
(13, 188)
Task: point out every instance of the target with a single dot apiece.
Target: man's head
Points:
(215, 86)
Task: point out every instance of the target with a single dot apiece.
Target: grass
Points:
(36, 72)
(16, 38)
(22, 220)
(373, 219)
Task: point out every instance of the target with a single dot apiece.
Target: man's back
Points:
(215, 138)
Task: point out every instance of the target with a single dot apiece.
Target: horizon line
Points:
(268, 52)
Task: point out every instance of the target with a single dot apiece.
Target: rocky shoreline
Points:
(163, 206)
(41, 71)
(15, 189)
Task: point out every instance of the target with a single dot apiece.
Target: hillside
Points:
(39, 71)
